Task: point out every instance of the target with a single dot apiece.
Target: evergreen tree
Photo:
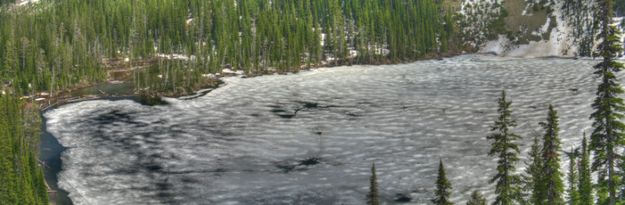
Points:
(443, 187)
(476, 199)
(533, 174)
(573, 179)
(373, 197)
(504, 147)
(585, 178)
(21, 177)
(281, 34)
(552, 177)
(607, 135)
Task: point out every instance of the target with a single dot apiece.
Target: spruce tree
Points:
(534, 173)
(585, 178)
(373, 197)
(504, 147)
(607, 135)
(573, 179)
(443, 187)
(552, 177)
(476, 199)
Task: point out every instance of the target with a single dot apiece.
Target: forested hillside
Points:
(21, 178)
(53, 45)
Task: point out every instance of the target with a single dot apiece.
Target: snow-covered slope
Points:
(529, 28)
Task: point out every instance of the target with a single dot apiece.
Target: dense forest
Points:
(21, 178)
(54, 45)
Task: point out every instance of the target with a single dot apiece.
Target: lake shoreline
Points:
(394, 107)
(51, 150)
(49, 142)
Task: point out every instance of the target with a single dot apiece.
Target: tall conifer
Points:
(534, 173)
(443, 187)
(552, 177)
(607, 135)
(373, 197)
(573, 179)
(506, 149)
(585, 178)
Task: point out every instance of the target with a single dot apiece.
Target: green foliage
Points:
(573, 179)
(21, 181)
(498, 26)
(373, 197)
(504, 147)
(533, 174)
(443, 187)
(552, 177)
(607, 134)
(54, 45)
(476, 199)
(585, 178)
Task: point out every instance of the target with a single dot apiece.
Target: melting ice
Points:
(310, 138)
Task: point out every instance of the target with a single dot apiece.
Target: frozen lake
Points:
(310, 138)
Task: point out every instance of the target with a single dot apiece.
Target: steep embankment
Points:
(529, 28)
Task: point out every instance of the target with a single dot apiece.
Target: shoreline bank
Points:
(51, 149)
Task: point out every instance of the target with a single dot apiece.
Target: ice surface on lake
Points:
(310, 138)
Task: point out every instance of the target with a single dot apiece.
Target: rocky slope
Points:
(528, 28)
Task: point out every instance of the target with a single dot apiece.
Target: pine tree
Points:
(607, 135)
(533, 174)
(443, 187)
(476, 199)
(373, 197)
(573, 179)
(552, 177)
(504, 147)
(585, 179)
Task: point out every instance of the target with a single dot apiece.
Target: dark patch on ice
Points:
(281, 112)
(189, 180)
(220, 170)
(114, 116)
(153, 167)
(352, 114)
(288, 111)
(310, 161)
(308, 105)
(288, 166)
(402, 198)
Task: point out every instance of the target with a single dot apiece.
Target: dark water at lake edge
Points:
(51, 149)
(50, 155)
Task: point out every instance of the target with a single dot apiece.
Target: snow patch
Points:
(26, 2)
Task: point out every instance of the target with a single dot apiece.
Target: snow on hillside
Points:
(25, 2)
(562, 37)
